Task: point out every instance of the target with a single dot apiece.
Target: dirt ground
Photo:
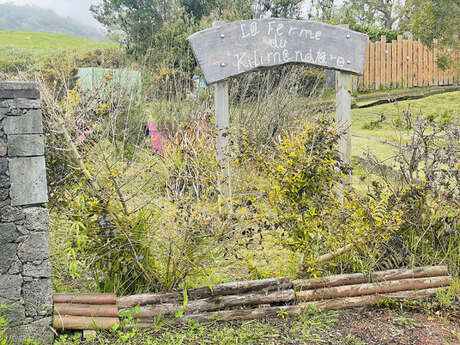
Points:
(387, 327)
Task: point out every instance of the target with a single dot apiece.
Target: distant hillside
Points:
(39, 41)
(33, 18)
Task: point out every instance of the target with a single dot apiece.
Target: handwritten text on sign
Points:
(244, 46)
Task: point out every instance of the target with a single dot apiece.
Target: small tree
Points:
(138, 20)
(434, 19)
(373, 12)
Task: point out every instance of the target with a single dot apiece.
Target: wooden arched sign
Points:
(240, 47)
(231, 49)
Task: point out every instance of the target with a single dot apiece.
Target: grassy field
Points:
(371, 139)
(41, 42)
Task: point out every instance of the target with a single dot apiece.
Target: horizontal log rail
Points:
(265, 285)
(83, 323)
(229, 315)
(373, 288)
(360, 278)
(90, 298)
(216, 303)
(86, 310)
(362, 301)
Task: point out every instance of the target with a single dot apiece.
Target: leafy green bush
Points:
(374, 33)
(305, 195)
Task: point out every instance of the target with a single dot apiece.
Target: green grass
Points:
(42, 42)
(311, 328)
(446, 105)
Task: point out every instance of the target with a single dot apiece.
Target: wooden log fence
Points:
(406, 63)
(264, 285)
(248, 300)
(85, 311)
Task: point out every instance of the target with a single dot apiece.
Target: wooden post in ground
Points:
(343, 89)
(222, 147)
(343, 116)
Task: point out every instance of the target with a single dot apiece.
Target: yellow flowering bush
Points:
(305, 194)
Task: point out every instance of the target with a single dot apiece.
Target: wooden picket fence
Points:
(405, 64)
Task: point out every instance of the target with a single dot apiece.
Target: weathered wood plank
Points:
(383, 58)
(222, 140)
(446, 71)
(394, 63)
(366, 68)
(360, 278)
(343, 114)
(420, 63)
(388, 63)
(400, 61)
(452, 66)
(410, 61)
(415, 62)
(378, 65)
(371, 65)
(404, 62)
(243, 46)
(425, 66)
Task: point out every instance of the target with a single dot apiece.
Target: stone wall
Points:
(25, 269)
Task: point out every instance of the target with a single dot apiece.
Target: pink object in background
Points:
(82, 137)
(157, 137)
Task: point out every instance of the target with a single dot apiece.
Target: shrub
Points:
(137, 220)
(306, 197)
(425, 182)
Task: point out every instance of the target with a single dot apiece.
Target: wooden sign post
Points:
(228, 50)
(222, 128)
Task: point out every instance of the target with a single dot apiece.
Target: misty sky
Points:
(77, 9)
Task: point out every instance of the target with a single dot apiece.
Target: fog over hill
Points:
(34, 18)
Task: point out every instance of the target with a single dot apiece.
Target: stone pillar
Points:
(25, 269)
